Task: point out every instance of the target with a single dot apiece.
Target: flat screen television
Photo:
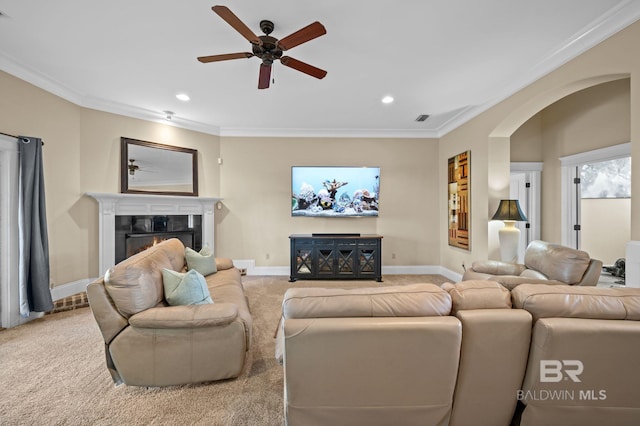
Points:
(335, 191)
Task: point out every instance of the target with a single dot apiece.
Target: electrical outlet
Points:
(393, 255)
(267, 256)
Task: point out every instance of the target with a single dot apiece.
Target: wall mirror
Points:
(153, 168)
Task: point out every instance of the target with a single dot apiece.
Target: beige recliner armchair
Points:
(544, 263)
(149, 343)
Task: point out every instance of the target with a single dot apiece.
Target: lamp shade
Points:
(509, 210)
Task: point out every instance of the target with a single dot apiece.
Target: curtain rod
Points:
(13, 136)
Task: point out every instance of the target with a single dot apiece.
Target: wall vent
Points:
(422, 117)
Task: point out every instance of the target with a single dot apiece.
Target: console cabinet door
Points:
(368, 259)
(302, 259)
(346, 259)
(325, 255)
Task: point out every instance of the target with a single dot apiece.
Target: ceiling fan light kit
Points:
(268, 48)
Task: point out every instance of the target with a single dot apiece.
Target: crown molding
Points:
(328, 133)
(12, 66)
(616, 19)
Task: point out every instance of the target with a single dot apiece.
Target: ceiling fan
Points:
(268, 48)
(136, 166)
(132, 167)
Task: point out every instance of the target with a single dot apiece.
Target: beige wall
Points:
(526, 142)
(606, 62)
(100, 165)
(82, 154)
(27, 110)
(605, 228)
(255, 180)
(592, 118)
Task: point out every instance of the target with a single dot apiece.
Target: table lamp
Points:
(509, 212)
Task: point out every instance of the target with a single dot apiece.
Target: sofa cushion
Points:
(202, 261)
(532, 273)
(225, 286)
(192, 316)
(549, 301)
(497, 267)
(188, 288)
(477, 294)
(557, 262)
(393, 301)
(135, 284)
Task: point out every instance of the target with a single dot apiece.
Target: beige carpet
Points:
(52, 371)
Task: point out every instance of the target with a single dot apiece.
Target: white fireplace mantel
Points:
(112, 205)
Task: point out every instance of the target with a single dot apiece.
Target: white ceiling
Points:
(451, 59)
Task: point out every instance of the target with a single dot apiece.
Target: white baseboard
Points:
(455, 277)
(422, 270)
(271, 270)
(250, 266)
(69, 289)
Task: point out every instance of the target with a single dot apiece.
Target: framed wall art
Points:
(458, 206)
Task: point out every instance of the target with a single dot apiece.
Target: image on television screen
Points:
(335, 191)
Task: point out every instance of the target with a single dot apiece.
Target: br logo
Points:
(554, 370)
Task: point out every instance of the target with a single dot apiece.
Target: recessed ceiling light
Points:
(387, 99)
(183, 97)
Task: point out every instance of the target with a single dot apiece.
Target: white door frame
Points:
(9, 292)
(570, 192)
(9, 237)
(528, 173)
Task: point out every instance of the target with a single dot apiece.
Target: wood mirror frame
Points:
(160, 169)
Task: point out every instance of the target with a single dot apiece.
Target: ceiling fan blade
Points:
(236, 23)
(303, 67)
(225, 57)
(303, 35)
(265, 76)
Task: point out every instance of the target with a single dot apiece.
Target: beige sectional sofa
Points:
(464, 354)
(149, 343)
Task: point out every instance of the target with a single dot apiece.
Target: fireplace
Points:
(145, 217)
(135, 233)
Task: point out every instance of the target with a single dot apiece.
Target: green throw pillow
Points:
(202, 261)
(185, 289)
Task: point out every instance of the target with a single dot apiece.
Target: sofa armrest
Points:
(592, 274)
(109, 320)
(497, 267)
(223, 263)
(190, 316)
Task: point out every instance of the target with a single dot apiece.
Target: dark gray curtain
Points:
(34, 243)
